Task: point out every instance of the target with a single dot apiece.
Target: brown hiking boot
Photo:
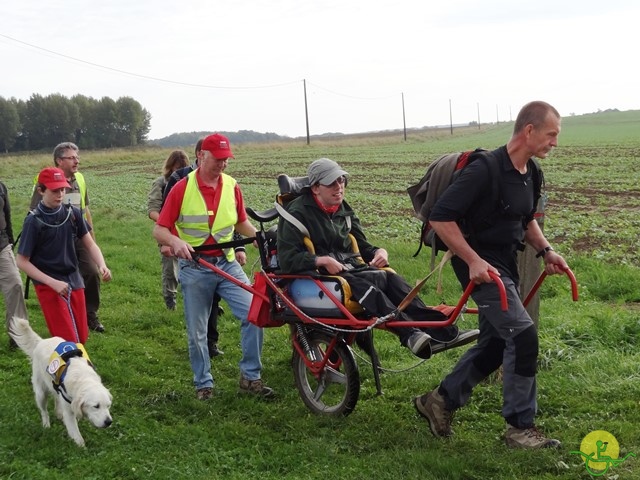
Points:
(256, 387)
(528, 438)
(204, 393)
(432, 407)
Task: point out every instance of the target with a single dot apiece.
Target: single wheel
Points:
(334, 389)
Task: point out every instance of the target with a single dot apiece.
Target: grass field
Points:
(589, 378)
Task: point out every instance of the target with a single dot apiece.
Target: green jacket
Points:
(329, 234)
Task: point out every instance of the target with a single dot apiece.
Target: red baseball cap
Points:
(218, 145)
(53, 178)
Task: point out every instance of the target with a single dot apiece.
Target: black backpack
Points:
(440, 174)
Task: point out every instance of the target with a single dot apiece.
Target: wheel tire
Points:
(337, 389)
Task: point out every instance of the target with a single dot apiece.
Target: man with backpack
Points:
(484, 236)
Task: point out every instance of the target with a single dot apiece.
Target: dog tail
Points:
(23, 335)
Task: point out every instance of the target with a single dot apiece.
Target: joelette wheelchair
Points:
(323, 319)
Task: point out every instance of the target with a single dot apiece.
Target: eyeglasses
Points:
(342, 180)
(75, 157)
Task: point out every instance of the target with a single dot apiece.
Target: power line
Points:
(187, 84)
(146, 77)
(352, 96)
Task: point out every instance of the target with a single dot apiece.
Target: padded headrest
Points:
(293, 185)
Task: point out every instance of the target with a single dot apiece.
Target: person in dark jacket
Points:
(490, 244)
(329, 220)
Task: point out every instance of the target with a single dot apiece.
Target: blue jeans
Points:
(199, 284)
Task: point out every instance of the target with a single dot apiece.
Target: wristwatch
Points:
(544, 251)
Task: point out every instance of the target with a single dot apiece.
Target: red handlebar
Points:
(501, 290)
(534, 289)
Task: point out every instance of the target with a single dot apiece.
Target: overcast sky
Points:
(205, 65)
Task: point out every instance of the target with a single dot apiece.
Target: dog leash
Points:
(67, 299)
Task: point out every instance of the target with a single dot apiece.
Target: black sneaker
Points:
(214, 351)
(420, 344)
(96, 326)
(463, 338)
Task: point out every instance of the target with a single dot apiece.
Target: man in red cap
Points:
(47, 255)
(202, 210)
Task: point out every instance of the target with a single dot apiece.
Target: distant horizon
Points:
(391, 130)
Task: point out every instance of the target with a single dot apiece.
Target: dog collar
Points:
(59, 361)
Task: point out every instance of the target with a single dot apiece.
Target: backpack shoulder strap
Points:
(538, 179)
(495, 171)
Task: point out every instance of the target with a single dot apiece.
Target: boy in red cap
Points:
(47, 255)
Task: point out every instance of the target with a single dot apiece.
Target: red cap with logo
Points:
(218, 145)
(53, 178)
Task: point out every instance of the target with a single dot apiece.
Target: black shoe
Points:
(96, 326)
(220, 311)
(443, 334)
(420, 344)
(464, 337)
(214, 351)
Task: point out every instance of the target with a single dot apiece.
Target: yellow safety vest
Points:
(193, 222)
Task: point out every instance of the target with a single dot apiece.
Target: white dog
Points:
(63, 370)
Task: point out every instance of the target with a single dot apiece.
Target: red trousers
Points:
(66, 317)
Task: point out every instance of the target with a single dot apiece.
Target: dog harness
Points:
(59, 361)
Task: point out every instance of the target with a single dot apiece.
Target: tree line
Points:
(241, 136)
(42, 122)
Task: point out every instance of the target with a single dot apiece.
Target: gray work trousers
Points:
(508, 339)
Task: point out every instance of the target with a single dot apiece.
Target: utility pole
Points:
(450, 117)
(404, 121)
(306, 109)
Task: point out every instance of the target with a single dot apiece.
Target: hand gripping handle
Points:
(501, 290)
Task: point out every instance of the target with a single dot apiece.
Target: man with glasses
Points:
(66, 157)
(329, 220)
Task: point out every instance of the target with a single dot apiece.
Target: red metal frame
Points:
(350, 320)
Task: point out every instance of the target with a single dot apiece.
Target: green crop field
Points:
(589, 374)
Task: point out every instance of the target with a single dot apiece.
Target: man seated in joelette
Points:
(329, 220)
